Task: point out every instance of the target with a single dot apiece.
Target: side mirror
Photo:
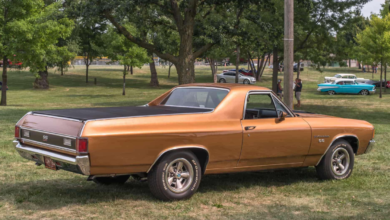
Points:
(282, 115)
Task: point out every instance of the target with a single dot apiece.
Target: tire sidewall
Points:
(328, 159)
(222, 81)
(162, 171)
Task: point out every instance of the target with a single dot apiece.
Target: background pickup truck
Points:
(190, 131)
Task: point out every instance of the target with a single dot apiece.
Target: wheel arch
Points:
(352, 139)
(200, 152)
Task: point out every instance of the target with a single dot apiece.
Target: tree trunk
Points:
(62, 70)
(5, 83)
(260, 66)
(41, 82)
(153, 74)
(237, 62)
(169, 71)
(265, 64)
(213, 70)
(124, 80)
(385, 77)
(349, 63)
(275, 70)
(360, 66)
(299, 68)
(381, 84)
(86, 73)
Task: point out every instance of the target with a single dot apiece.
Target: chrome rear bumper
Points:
(35, 154)
(370, 146)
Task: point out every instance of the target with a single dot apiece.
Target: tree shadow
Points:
(57, 193)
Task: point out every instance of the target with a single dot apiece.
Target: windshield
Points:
(195, 97)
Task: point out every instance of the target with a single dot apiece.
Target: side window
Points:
(348, 83)
(345, 77)
(260, 106)
(340, 83)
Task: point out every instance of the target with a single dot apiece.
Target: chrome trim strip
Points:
(28, 113)
(139, 116)
(370, 146)
(26, 152)
(335, 139)
(179, 148)
(51, 116)
(47, 132)
(180, 106)
(27, 141)
(264, 92)
(66, 159)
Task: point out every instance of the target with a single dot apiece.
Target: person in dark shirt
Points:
(298, 90)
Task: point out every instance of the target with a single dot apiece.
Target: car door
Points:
(339, 87)
(267, 141)
(230, 77)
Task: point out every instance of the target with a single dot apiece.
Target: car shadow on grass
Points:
(57, 193)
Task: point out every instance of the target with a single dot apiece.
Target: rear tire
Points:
(168, 180)
(337, 163)
(119, 180)
(331, 92)
(222, 81)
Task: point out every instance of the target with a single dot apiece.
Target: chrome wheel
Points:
(364, 92)
(331, 92)
(179, 176)
(246, 81)
(222, 81)
(340, 161)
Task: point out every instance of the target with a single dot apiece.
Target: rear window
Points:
(196, 97)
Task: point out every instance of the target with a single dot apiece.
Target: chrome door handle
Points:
(249, 128)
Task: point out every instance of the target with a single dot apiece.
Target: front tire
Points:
(331, 92)
(222, 81)
(247, 82)
(176, 176)
(337, 163)
(118, 180)
(364, 92)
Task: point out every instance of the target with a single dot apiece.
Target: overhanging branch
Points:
(137, 41)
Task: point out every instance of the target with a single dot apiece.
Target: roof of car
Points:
(231, 86)
(338, 80)
(345, 74)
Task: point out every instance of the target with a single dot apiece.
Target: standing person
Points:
(364, 68)
(298, 90)
(279, 89)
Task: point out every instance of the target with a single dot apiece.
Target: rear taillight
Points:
(17, 132)
(82, 146)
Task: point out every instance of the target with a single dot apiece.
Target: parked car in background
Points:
(344, 76)
(378, 84)
(243, 71)
(347, 86)
(11, 64)
(190, 131)
(295, 67)
(230, 77)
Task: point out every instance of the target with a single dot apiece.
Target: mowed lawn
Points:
(31, 192)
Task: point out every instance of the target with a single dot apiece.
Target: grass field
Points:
(30, 192)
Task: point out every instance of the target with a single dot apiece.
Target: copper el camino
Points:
(190, 131)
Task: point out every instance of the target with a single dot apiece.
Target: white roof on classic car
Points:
(345, 74)
(344, 80)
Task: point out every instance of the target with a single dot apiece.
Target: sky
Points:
(373, 6)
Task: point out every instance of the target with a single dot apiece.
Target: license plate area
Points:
(49, 163)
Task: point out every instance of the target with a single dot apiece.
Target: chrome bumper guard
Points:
(370, 146)
(36, 155)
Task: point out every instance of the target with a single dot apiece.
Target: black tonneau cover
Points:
(85, 114)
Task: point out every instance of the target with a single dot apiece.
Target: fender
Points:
(338, 138)
(181, 148)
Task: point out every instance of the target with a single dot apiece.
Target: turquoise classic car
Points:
(346, 86)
